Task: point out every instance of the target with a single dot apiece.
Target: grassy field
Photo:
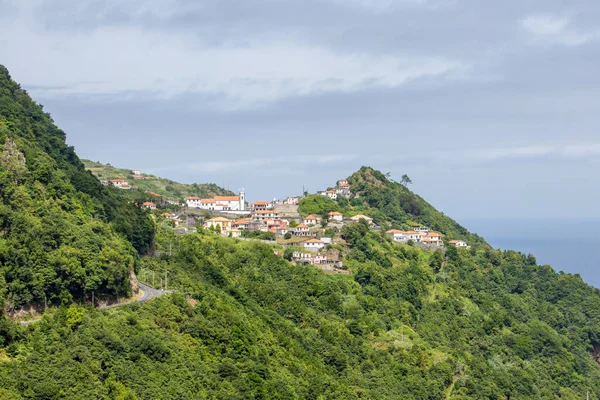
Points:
(152, 183)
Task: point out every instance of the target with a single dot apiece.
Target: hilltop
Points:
(404, 322)
(151, 183)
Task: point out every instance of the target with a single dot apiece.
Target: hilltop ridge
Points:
(152, 183)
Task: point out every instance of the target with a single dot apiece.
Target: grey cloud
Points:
(508, 110)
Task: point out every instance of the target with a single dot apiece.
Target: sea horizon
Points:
(547, 240)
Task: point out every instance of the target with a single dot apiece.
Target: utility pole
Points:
(166, 280)
(170, 254)
(45, 302)
(161, 286)
(153, 279)
(93, 299)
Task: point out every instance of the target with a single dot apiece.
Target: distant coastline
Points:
(569, 246)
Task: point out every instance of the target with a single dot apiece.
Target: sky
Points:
(490, 107)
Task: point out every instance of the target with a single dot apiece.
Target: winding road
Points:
(148, 293)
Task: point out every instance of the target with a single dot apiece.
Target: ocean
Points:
(566, 245)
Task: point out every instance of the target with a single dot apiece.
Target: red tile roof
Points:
(227, 198)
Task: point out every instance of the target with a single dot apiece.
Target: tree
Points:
(405, 180)
(287, 236)
(13, 160)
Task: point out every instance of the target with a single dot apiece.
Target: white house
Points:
(136, 172)
(313, 245)
(261, 205)
(301, 230)
(312, 219)
(398, 235)
(335, 216)
(302, 257)
(327, 240)
(343, 182)
(319, 259)
(404, 236)
(266, 214)
(119, 182)
(293, 201)
(459, 243)
(218, 203)
(422, 229)
(235, 233)
(331, 194)
(149, 205)
(433, 238)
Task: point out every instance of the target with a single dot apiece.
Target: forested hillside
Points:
(467, 325)
(62, 234)
(151, 183)
(405, 323)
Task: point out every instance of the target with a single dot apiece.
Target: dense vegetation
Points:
(150, 183)
(465, 325)
(55, 241)
(408, 323)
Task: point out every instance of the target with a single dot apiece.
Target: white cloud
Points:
(216, 167)
(548, 28)
(119, 60)
(472, 157)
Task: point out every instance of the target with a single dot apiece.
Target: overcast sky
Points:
(492, 108)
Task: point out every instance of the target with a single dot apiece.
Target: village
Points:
(311, 239)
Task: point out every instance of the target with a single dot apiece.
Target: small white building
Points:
(327, 240)
(119, 182)
(302, 257)
(331, 194)
(313, 245)
(261, 205)
(335, 216)
(266, 214)
(398, 235)
(218, 203)
(459, 243)
(149, 205)
(312, 219)
(301, 230)
(236, 233)
(432, 238)
(136, 172)
(292, 201)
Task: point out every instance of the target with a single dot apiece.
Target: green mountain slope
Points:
(487, 325)
(150, 183)
(390, 204)
(406, 323)
(62, 234)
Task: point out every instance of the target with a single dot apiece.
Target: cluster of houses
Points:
(424, 236)
(342, 189)
(309, 247)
